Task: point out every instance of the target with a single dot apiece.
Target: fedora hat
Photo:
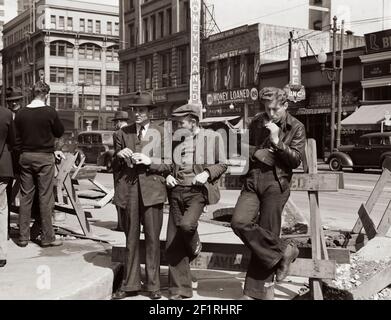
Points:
(121, 115)
(14, 94)
(143, 99)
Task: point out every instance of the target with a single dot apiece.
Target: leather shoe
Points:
(290, 254)
(55, 243)
(176, 297)
(22, 243)
(3, 263)
(155, 295)
(120, 294)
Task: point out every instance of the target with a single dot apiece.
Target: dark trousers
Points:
(186, 207)
(152, 218)
(36, 175)
(257, 222)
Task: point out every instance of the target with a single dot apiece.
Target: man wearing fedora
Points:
(120, 120)
(140, 194)
(198, 164)
(277, 143)
(14, 99)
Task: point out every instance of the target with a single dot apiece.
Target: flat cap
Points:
(272, 93)
(187, 110)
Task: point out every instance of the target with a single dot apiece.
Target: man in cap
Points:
(199, 162)
(277, 144)
(140, 195)
(120, 120)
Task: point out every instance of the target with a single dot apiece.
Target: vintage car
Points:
(369, 152)
(97, 147)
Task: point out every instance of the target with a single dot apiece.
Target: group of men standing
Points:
(145, 178)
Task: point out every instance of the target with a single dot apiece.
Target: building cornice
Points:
(375, 57)
(373, 83)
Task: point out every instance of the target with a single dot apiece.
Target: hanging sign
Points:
(296, 91)
(195, 79)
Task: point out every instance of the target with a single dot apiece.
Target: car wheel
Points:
(335, 164)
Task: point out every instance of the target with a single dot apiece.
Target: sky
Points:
(294, 13)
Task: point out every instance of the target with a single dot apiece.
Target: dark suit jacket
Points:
(151, 179)
(209, 156)
(7, 142)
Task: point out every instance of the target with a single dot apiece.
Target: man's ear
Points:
(286, 105)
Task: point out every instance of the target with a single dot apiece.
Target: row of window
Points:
(166, 76)
(88, 76)
(85, 25)
(90, 102)
(86, 51)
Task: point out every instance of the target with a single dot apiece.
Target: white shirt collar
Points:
(36, 104)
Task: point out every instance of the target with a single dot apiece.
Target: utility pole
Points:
(82, 84)
(340, 93)
(333, 95)
(100, 106)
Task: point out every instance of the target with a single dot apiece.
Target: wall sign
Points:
(229, 54)
(378, 41)
(375, 70)
(232, 96)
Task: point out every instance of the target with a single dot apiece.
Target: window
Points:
(61, 49)
(70, 23)
(109, 27)
(98, 27)
(112, 103)
(186, 14)
(131, 77)
(236, 72)
(90, 52)
(184, 57)
(61, 101)
(112, 54)
(39, 50)
(53, 24)
(61, 75)
(211, 76)
(82, 25)
(169, 21)
(90, 76)
(132, 39)
(161, 24)
(148, 73)
(166, 69)
(146, 30)
(318, 25)
(90, 102)
(378, 93)
(250, 69)
(223, 73)
(116, 29)
(89, 26)
(153, 22)
(112, 78)
(61, 22)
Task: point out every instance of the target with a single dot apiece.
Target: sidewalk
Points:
(82, 269)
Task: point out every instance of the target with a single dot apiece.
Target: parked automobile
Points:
(97, 147)
(369, 152)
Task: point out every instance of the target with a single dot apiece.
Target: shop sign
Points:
(378, 41)
(229, 33)
(232, 96)
(224, 111)
(229, 54)
(160, 97)
(296, 91)
(376, 70)
(195, 80)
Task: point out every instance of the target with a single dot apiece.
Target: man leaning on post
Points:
(277, 146)
(37, 125)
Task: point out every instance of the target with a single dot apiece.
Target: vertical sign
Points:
(195, 83)
(295, 65)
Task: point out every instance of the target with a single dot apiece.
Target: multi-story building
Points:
(74, 48)
(155, 52)
(319, 14)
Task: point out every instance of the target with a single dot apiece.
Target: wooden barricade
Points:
(315, 263)
(364, 221)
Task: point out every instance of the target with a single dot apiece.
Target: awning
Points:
(224, 120)
(367, 117)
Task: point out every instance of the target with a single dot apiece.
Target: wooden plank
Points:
(375, 194)
(385, 222)
(367, 222)
(315, 182)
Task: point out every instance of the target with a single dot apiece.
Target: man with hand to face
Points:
(277, 144)
(140, 193)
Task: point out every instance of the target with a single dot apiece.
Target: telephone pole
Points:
(340, 91)
(333, 93)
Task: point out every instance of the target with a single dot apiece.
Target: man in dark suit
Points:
(141, 193)
(7, 141)
(277, 143)
(198, 164)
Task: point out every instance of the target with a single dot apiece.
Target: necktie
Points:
(140, 133)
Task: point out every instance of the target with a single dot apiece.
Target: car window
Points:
(387, 141)
(376, 141)
(80, 139)
(363, 141)
(87, 139)
(107, 138)
(96, 139)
